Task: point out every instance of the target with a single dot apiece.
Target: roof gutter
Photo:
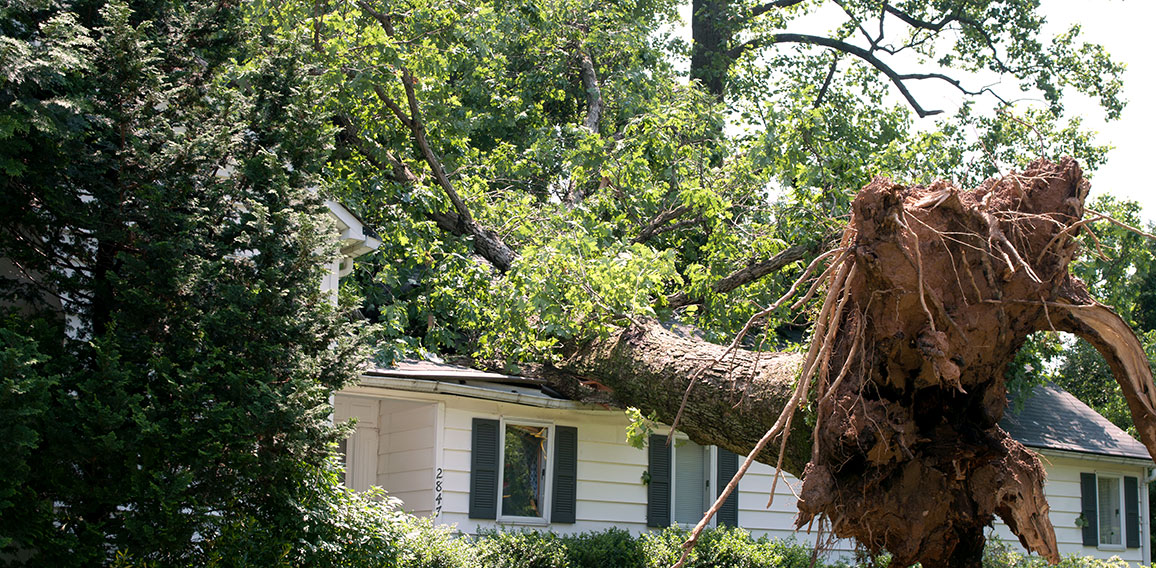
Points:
(470, 391)
(1124, 460)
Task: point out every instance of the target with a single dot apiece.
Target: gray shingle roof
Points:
(1052, 418)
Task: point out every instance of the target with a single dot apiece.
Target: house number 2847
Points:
(438, 493)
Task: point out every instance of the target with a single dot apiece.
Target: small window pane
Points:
(1110, 509)
(524, 470)
(690, 476)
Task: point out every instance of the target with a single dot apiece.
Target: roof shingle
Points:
(1052, 418)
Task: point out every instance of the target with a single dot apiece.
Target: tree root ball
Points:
(946, 286)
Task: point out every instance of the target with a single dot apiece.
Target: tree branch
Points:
(849, 49)
(652, 228)
(753, 272)
(386, 20)
(826, 82)
(593, 92)
(594, 106)
(764, 8)
(384, 160)
(917, 23)
(938, 26)
(485, 241)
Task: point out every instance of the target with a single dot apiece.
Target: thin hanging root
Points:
(819, 281)
(1121, 224)
(918, 269)
(780, 427)
(1099, 246)
(1016, 255)
(826, 327)
(1089, 220)
(783, 424)
(830, 390)
(806, 274)
(1069, 229)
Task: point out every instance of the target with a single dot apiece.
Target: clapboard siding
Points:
(1063, 491)
(610, 491)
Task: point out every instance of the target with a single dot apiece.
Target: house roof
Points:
(1051, 418)
(357, 238)
(481, 384)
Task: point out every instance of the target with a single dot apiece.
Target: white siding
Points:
(610, 488)
(1062, 489)
(778, 521)
(362, 447)
(406, 453)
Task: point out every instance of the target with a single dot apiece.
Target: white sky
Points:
(1124, 28)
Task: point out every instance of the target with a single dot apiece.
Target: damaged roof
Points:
(1051, 418)
(466, 376)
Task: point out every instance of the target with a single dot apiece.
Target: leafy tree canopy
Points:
(541, 170)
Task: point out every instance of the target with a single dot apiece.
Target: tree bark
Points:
(733, 399)
(711, 33)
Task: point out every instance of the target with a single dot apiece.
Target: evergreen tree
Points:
(166, 353)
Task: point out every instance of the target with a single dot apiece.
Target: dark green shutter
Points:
(1088, 508)
(484, 452)
(726, 466)
(563, 505)
(1132, 511)
(658, 491)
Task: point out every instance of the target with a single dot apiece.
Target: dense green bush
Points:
(611, 547)
(724, 547)
(999, 555)
(426, 545)
(522, 549)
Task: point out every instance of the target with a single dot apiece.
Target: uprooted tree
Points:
(932, 291)
(549, 190)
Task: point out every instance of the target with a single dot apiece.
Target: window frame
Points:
(1119, 478)
(547, 482)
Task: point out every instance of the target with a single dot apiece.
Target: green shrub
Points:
(426, 545)
(522, 549)
(613, 547)
(998, 554)
(723, 548)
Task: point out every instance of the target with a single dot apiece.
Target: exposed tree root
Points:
(909, 456)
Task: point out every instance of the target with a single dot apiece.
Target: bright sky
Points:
(1124, 28)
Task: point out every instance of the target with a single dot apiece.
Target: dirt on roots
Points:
(942, 286)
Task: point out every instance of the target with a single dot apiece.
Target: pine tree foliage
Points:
(167, 353)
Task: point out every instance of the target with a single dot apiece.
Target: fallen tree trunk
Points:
(937, 289)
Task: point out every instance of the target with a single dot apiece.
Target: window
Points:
(523, 470)
(690, 481)
(1110, 510)
(1108, 495)
(519, 474)
(685, 478)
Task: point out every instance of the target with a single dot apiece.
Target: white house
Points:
(484, 451)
